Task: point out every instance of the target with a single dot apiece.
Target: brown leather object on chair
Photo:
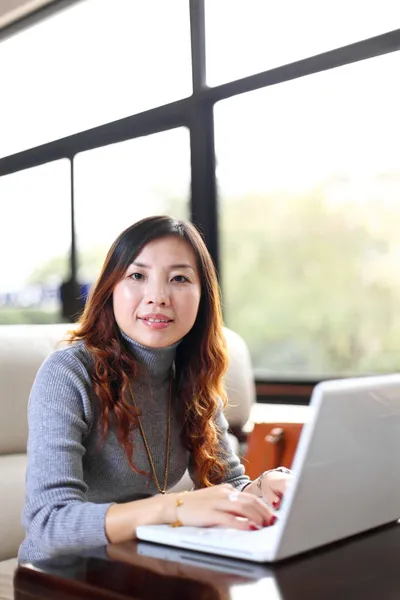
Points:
(271, 445)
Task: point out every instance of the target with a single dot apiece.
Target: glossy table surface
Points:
(363, 568)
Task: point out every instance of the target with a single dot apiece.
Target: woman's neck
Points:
(157, 362)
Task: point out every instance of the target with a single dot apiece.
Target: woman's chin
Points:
(154, 339)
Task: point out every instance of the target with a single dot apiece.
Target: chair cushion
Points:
(12, 488)
(7, 569)
(23, 348)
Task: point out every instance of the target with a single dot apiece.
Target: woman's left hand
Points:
(272, 486)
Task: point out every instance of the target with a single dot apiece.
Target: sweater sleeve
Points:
(235, 471)
(57, 516)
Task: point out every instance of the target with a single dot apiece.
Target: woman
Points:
(117, 417)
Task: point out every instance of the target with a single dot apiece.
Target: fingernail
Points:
(276, 503)
(265, 523)
(273, 520)
(254, 528)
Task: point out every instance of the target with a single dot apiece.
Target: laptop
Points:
(346, 478)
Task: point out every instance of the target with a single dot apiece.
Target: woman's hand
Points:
(271, 486)
(218, 506)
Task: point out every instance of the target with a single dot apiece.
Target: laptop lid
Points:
(346, 467)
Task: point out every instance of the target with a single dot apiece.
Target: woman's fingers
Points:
(274, 486)
(272, 498)
(247, 506)
(276, 501)
(224, 506)
(278, 481)
(227, 520)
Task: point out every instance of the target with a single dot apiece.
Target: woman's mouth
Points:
(157, 322)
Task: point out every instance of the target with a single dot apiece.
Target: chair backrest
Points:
(239, 381)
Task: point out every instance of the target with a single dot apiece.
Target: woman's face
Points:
(157, 300)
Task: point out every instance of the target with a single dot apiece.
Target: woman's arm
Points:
(123, 519)
(57, 516)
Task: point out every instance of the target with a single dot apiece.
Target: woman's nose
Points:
(157, 294)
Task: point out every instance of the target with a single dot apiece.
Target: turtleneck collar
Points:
(157, 362)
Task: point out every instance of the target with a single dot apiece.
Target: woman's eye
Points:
(136, 276)
(180, 279)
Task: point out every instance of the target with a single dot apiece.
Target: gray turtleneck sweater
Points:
(72, 478)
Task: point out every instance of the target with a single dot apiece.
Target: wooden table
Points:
(364, 568)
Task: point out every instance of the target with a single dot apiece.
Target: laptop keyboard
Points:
(230, 542)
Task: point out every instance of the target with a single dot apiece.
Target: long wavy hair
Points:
(201, 357)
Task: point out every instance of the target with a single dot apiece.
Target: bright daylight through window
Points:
(35, 239)
(249, 36)
(123, 60)
(140, 177)
(313, 267)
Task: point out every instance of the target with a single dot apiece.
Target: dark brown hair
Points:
(201, 358)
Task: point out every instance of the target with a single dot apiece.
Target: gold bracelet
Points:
(178, 522)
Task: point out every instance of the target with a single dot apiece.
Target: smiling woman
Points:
(117, 417)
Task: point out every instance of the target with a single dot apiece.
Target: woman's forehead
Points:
(168, 251)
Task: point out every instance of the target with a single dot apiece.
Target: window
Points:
(122, 183)
(90, 64)
(309, 184)
(244, 37)
(35, 239)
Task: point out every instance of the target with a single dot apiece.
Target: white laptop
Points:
(346, 478)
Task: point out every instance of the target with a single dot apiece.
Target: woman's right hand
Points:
(218, 506)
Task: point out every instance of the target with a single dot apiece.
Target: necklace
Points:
(164, 488)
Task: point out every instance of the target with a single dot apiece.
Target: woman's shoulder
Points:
(72, 362)
(63, 386)
(75, 352)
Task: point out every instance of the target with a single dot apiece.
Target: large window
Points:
(35, 238)
(90, 64)
(297, 194)
(247, 36)
(309, 182)
(122, 183)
